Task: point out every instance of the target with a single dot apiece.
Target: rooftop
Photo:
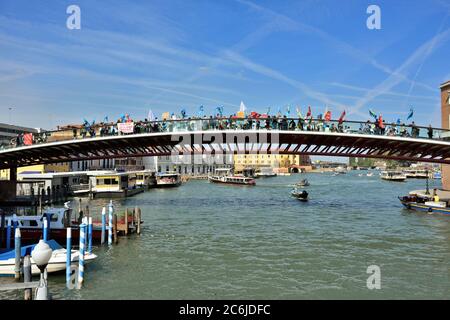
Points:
(445, 84)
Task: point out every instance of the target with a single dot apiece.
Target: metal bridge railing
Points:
(272, 123)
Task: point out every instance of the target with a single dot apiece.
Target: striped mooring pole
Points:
(89, 235)
(68, 256)
(14, 224)
(45, 232)
(8, 235)
(81, 255)
(103, 225)
(110, 224)
(17, 253)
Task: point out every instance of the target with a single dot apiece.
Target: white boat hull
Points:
(57, 263)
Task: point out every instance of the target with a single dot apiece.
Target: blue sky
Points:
(130, 56)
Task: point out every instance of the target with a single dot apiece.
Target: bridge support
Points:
(8, 189)
(445, 118)
(13, 174)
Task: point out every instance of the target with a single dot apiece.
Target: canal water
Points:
(210, 241)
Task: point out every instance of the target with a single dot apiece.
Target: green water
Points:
(210, 241)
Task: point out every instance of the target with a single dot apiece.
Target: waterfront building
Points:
(187, 165)
(445, 118)
(40, 168)
(120, 164)
(280, 163)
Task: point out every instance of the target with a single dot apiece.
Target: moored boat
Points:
(58, 220)
(56, 263)
(168, 179)
(265, 173)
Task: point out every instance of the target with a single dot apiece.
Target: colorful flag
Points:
(380, 122)
(373, 114)
(328, 115)
(242, 107)
(268, 111)
(150, 116)
(341, 118)
(411, 113)
(28, 139)
(183, 113)
(288, 111)
(309, 114)
(299, 113)
(220, 110)
(165, 115)
(201, 111)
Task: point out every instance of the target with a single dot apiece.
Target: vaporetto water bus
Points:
(393, 176)
(223, 175)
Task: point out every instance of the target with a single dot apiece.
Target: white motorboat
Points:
(393, 175)
(56, 263)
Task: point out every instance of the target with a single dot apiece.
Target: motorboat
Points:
(56, 263)
(369, 174)
(424, 203)
(302, 183)
(340, 170)
(300, 195)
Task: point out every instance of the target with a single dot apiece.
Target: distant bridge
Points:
(351, 141)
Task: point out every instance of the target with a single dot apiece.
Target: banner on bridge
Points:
(127, 127)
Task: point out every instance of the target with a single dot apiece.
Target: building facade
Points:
(279, 162)
(445, 118)
(187, 165)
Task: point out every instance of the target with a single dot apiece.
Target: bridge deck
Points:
(215, 142)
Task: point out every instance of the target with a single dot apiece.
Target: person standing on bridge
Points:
(414, 130)
(430, 132)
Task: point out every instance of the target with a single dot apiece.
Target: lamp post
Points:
(41, 255)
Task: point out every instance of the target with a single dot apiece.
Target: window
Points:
(448, 97)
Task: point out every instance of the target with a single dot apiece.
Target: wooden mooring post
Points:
(138, 225)
(28, 295)
(115, 228)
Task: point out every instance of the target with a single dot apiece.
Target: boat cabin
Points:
(112, 181)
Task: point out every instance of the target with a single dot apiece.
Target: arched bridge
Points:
(225, 136)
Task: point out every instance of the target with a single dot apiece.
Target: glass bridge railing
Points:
(204, 124)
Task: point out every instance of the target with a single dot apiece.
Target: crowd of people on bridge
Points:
(253, 121)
